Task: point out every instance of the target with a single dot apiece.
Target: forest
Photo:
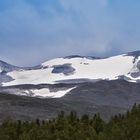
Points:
(71, 127)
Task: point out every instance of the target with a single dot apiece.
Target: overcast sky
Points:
(33, 31)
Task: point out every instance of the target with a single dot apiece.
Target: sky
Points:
(33, 31)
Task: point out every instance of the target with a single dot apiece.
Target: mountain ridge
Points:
(132, 53)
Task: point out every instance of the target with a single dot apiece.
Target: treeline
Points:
(71, 127)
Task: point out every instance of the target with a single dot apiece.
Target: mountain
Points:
(74, 83)
(105, 97)
(70, 70)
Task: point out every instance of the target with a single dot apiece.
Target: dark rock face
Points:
(138, 65)
(5, 68)
(136, 74)
(73, 56)
(4, 77)
(66, 69)
(135, 53)
(106, 97)
(78, 56)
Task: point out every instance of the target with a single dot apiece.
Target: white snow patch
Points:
(46, 93)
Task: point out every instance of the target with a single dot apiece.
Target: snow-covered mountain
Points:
(76, 68)
(72, 69)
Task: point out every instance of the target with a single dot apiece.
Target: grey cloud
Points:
(85, 28)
